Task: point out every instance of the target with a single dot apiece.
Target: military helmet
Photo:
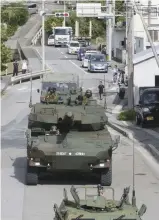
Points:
(88, 93)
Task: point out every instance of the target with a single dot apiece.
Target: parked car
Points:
(87, 56)
(147, 111)
(81, 53)
(51, 40)
(97, 63)
(73, 47)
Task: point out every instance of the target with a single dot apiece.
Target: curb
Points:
(6, 86)
(152, 150)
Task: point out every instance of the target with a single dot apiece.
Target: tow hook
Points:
(91, 167)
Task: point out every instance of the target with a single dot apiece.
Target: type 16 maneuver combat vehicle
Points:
(97, 206)
(67, 133)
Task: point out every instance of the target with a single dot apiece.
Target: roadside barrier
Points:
(27, 77)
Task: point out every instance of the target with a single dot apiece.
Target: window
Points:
(153, 11)
(32, 6)
(151, 97)
(62, 31)
(98, 58)
(156, 35)
(157, 81)
(74, 44)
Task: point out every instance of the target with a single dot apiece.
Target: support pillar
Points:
(90, 28)
(76, 29)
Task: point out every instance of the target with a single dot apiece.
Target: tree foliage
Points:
(120, 9)
(98, 26)
(6, 56)
(12, 16)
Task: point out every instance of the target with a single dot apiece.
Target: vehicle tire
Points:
(143, 125)
(137, 120)
(106, 177)
(32, 179)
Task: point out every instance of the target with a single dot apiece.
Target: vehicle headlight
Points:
(146, 110)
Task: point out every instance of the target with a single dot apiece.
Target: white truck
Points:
(62, 35)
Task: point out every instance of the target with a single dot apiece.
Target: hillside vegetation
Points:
(98, 25)
(12, 16)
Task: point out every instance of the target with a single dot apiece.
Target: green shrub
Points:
(128, 115)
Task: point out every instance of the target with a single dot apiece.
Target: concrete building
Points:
(152, 21)
(118, 44)
(146, 71)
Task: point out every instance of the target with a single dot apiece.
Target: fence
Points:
(27, 76)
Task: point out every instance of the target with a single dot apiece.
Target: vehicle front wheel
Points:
(106, 177)
(137, 120)
(32, 179)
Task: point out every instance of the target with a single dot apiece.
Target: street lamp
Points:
(42, 13)
(64, 18)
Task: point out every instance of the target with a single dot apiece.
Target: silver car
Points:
(97, 63)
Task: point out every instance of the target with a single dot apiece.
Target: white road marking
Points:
(23, 88)
(48, 66)
(62, 52)
(66, 57)
(79, 67)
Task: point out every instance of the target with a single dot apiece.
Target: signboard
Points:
(88, 9)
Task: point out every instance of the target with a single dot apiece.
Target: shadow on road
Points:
(64, 178)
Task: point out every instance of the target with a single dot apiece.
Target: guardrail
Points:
(27, 77)
(36, 37)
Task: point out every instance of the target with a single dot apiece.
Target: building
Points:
(119, 42)
(146, 71)
(152, 21)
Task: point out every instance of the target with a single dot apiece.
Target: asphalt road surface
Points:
(20, 202)
(59, 61)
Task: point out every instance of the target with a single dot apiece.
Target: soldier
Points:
(100, 88)
(15, 68)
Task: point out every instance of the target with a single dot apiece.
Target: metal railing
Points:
(36, 37)
(27, 77)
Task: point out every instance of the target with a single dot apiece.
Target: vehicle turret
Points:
(97, 205)
(77, 111)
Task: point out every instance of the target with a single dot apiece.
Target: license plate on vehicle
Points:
(149, 118)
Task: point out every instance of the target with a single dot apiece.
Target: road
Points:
(20, 202)
(59, 61)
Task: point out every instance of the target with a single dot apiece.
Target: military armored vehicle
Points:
(69, 134)
(96, 205)
(61, 82)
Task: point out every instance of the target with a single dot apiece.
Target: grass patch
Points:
(9, 70)
(127, 115)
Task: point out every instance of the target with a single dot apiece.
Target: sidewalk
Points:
(148, 138)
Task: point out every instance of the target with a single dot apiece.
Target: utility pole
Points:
(64, 19)
(148, 35)
(126, 40)
(109, 31)
(43, 35)
(130, 51)
(149, 13)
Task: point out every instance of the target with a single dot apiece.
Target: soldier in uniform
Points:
(87, 95)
